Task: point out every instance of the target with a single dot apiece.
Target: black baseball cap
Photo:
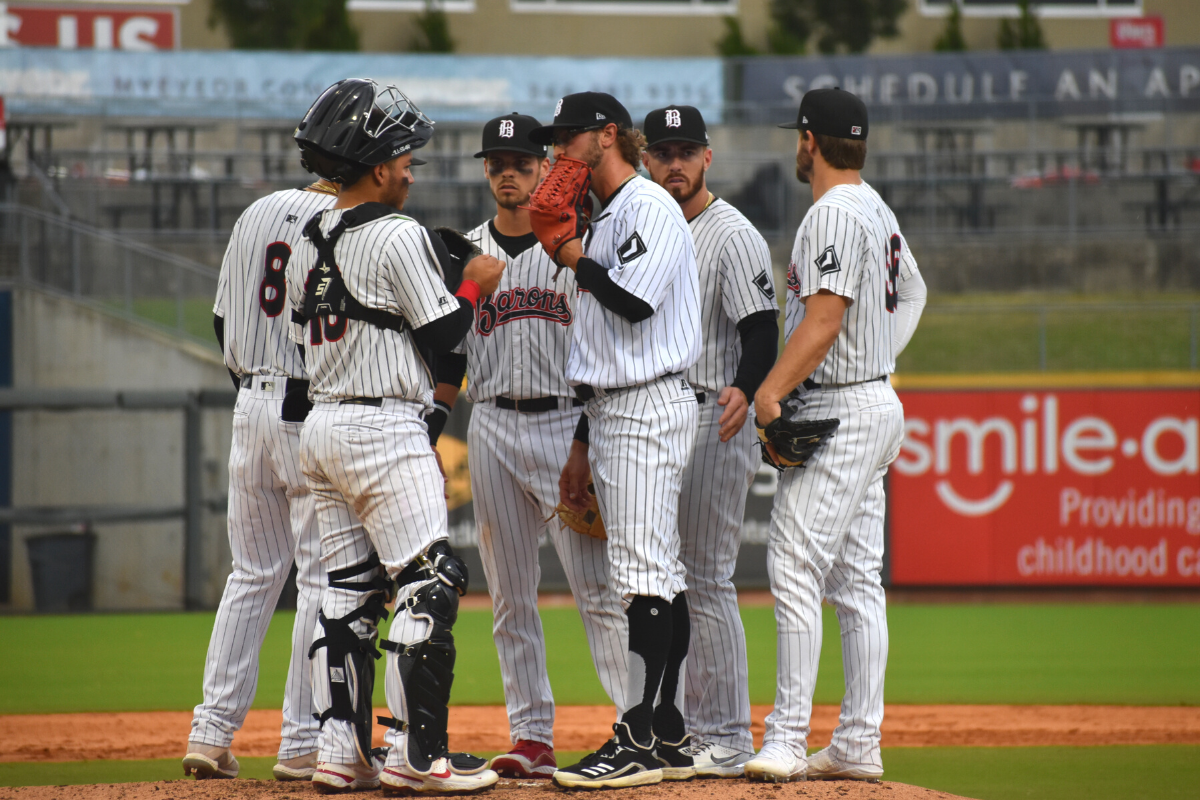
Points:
(511, 133)
(832, 112)
(584, 111)
(675, 124)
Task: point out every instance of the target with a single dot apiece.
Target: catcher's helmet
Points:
(357, 124)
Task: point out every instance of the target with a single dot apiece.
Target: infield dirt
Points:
(163, 734)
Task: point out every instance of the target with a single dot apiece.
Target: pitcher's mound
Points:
(505, 790)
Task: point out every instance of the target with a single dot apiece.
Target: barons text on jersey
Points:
(518, 302)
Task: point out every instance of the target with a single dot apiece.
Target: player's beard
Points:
(804, 166)
(683, 195)
(510, 202)
(595, 153)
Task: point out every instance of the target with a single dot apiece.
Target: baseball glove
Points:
(588, 523)
(560, 209)
(794, 440)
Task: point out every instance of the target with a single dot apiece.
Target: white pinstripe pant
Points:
(641, 441)
(377, 488)
(515, 459)
(711, 506)
(268, 502)
(826, 540)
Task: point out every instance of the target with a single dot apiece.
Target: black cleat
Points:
(620, 763)
(676, 759)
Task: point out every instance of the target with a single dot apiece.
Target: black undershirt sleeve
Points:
(452, 368)
(594, 278)
(759, 335)
(444, 333)
(219, 327)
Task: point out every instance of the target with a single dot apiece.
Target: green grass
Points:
(953, 337)
(197, 315)
(1149, 772)
(1138, 654)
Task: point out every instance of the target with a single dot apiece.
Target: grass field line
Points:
(163, 734)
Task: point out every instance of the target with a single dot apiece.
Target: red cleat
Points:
(528, 759)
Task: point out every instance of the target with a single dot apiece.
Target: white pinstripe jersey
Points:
(643, 241)
(850, 244)
(518, 345)
(251, 292)
(386, 264)
(734, 265)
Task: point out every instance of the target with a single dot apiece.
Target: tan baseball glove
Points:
(559, 209)
(588, 523)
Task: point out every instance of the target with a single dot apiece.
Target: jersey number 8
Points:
(272, 292)
(892, 295)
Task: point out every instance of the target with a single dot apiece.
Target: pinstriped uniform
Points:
(270, 516)
(735, 280)
(826, 535)
(643, 418)
(517, 350)
(372, 473)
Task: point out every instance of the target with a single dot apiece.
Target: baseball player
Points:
(519, 437)
(738, 313)
(270, 516)
(826, 536)
(370, 287)
(635, 335)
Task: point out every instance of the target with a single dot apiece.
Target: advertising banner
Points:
(1084, 487)
(972, 85)
(282, 85)
(103, 27)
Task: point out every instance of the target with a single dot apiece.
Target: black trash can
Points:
(62, 565)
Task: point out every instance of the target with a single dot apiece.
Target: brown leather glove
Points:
(560, 209)
(588, 523)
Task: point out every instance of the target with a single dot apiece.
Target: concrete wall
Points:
(114, 457)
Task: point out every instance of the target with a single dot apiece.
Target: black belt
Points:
(290, 384)
(810, 384)
(363, 401)
(583, 393)
(533, 405)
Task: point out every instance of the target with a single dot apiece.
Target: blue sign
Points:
(282, 85)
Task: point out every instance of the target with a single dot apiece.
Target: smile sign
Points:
(1048, 487)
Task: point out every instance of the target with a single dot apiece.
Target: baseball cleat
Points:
(466, 763)
(712, 760)
(620, 763)
(331, 778)
(300, 768)
(676, 759)
(824, 766)
(776, 763)
(207, 761)
(441, 778)
(528, 759)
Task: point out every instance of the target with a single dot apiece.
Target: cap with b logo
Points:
(832, 112)
(583, 111)
(675, 124)
(511, 133)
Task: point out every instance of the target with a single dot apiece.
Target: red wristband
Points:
(470, 291)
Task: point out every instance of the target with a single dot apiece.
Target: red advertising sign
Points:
(1135, 32)
(101, 27)
(1091, 487)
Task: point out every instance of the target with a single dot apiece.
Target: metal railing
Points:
(194, 504)
(115, 272)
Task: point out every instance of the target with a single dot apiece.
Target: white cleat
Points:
(776, 763)
(207, 761)
(300, 768)
(330, 778)
(825, 766)
(712, 760)
(441, 779)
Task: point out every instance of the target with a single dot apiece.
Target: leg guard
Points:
(350, 656)
(424, 668)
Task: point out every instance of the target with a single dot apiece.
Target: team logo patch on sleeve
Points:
(828, 262)
(630, 249)
(764, 284)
